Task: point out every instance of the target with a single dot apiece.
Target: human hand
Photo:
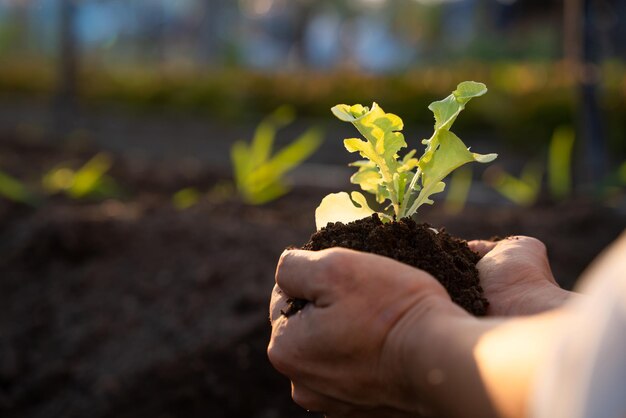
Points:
(346, 351)
(516, 276)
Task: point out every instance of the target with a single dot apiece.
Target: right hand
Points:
(348, 351)
(516, 276)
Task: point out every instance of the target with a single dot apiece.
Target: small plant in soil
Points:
(400, 186)
(259, 175)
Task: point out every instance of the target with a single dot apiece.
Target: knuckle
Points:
(523, 241)
(336, 261)
(534, 243)
(335, 267)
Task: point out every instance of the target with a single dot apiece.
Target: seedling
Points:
(404, 184)
(186, 198)
(15, 191)
(90, 180)
(560, 162)
(525, 189)
(259, 176)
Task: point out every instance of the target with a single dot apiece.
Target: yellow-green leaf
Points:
(341, 207)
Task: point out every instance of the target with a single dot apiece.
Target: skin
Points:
(516, 277)
(383, 339)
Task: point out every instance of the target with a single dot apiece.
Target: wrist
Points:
(436, 359)
(408, 356)
(448, 365)
(489, 364)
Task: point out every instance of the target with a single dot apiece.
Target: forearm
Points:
(488, 365)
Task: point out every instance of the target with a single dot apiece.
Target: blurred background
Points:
(156, 157)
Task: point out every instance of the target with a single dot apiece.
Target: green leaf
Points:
(560, 162)
(265, 134)
(450, 155)
(380, 130)
(265, 182)
(261, 145)
(349, 113)
(239, 156)
(282, 116)
(399, 180)
(460, 184)
(340, 207)
(364, 148)
(296, 152)
(258, 175)
(524, 190)
(381, 147)
(369, 179)
(263, 193)
(89, 177)
(15, 190)
(447, 110)
(467, 90)
(185, 198)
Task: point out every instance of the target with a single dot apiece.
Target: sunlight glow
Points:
(255, 8)
(510, 352)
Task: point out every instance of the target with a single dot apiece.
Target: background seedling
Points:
(259, 175)
(460, 184)
(91, 180)
(186, 198)
(16, 191)
(525, 190)
(560, 163)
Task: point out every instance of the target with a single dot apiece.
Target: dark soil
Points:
(447, 258)
(128, 307)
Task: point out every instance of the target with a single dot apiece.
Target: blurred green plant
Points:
(16, 191)
(526, 189)
(560, 162)
(89, 181)
(186, 198)
(523, 190)
(460, 184)
(622, 173)
(259, 176)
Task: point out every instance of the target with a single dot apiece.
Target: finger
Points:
(331, 407)
(304, 274)
(278, 302)
(521, 243)
(482, 247)
(316, 402)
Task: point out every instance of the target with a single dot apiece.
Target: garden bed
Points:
(130, 308)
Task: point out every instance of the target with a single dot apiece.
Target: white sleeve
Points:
(585, 374)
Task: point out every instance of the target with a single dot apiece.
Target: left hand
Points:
(516, 277)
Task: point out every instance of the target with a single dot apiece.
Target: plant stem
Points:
(409, 193)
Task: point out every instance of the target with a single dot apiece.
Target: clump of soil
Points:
(447, 258)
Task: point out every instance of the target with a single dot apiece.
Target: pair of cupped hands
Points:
(382, 339)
